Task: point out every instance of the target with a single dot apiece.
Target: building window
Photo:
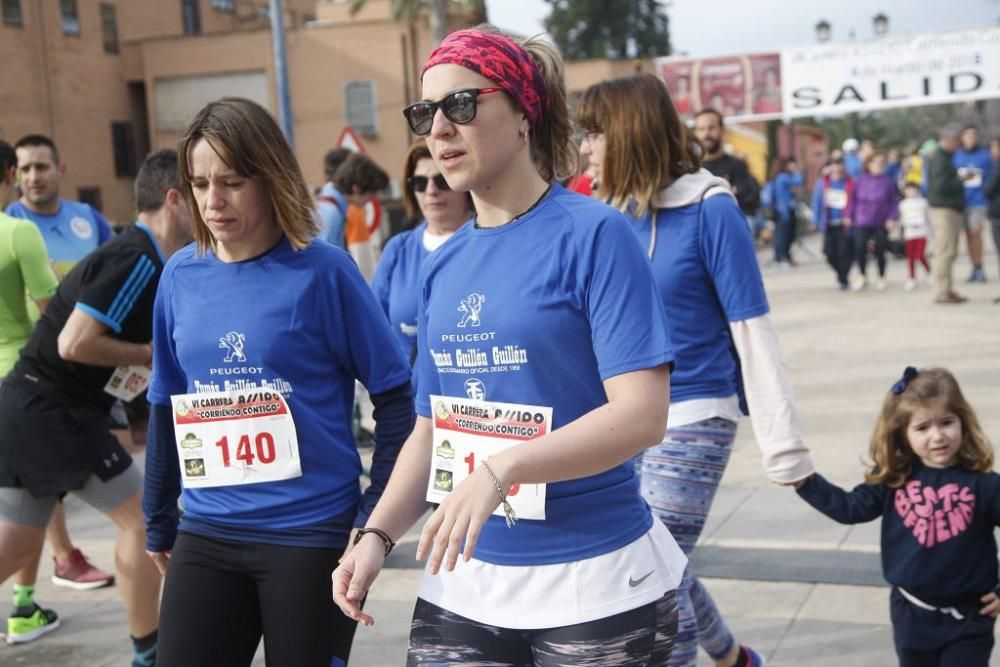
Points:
(361, 108)
(123, 142)
(70, 17)
(109, 27)
(12, 12)
(90, 196)
(223, 5)
(192, 17)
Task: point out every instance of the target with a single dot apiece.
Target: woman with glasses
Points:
(437, 211)
(702, 255)
(540, 342)
(260, 332)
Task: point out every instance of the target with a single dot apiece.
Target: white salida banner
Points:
(864, 75)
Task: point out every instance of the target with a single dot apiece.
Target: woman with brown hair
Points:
(259, 333)
(702, 254)
(437, 211)
(539, 324)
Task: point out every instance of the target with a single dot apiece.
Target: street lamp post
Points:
(823, 30)
(880, 24)
(281, 70)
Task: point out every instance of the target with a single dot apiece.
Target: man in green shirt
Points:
(24, 267)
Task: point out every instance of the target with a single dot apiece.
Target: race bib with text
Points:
(836, 199)
(127, 382)
(229, 438)
(467, 432)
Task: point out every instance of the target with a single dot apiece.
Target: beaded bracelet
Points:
(507, 509)
(387, 541)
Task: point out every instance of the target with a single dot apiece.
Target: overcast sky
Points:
(718, 27)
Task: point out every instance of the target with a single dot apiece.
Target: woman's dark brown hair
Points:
(250, 142)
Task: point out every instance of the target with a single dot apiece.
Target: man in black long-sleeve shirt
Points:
(708, 128)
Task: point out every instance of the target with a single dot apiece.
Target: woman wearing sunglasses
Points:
(437, 211)
(702, 254)
(539, 325)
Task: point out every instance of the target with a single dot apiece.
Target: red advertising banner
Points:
(745, 87)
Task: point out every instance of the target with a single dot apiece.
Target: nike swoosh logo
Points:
(635, 582)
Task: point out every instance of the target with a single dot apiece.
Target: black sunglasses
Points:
(458, 107)
(420, 183)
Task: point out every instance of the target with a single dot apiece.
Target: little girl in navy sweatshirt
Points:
(933, 484)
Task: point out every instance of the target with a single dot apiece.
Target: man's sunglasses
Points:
(458, 107)
(420, 183)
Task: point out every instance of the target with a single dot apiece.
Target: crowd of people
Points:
(557, 377)
(865, 195)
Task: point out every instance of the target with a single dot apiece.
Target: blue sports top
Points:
(331, 209)
(397, 285)
(784, 197)
(979, 161)
(540, 311)
(71, 234)
(309, 326)
(707, 273)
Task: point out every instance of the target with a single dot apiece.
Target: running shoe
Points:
(754, 659)
(145, 658)
(910, 285)
(22, 629)
(881, 284)
(859, 284)
(978, 276)
(77, 573)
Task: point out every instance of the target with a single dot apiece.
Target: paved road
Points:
(798, 587)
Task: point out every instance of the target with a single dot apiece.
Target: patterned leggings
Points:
(641, 637)
(679, 478)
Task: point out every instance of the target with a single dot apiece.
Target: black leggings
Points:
(838, 251)
(220, 597)
(862, 235)
(642, 637)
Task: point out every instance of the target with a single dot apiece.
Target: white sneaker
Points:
(909, 285)
(880, 284)
(859, 284)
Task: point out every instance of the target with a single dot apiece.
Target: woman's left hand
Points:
(992, 607)
(459, 518)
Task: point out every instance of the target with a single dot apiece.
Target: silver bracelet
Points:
(507, 509)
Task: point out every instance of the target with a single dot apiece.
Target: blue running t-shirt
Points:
(308, 325)
(707, 273)
(540, 311)
(978, 164)
(397, 285)
(70, 234)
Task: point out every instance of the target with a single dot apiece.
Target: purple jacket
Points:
(873, 201)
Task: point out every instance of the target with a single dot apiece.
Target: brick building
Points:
(111, 79)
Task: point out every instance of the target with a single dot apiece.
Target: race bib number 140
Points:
(235, 437)
(467, 432)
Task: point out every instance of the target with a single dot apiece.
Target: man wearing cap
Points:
(852, 161)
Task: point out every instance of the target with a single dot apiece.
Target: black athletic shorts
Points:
(51, 449)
